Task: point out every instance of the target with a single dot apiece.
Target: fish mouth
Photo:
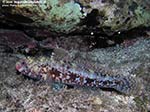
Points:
(22, 67)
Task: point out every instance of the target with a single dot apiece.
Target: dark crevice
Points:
(100, 38)
(18, 18)
(130, 34)
(91, 19)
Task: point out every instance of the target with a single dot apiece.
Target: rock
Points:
(67, 16)
(14, 39)
(21, 94)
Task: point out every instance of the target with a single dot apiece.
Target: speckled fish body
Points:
(49, 70)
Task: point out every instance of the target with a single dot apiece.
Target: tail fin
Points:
(128, 85)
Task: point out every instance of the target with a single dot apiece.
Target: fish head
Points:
(22, 67)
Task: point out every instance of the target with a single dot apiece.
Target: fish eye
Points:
(23, 62)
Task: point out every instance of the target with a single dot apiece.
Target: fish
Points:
(70, 73)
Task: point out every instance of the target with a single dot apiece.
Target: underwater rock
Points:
(20, 94)
(67, 16)
(13, 38)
